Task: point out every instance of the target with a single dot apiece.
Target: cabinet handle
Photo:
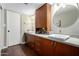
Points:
(54, 44)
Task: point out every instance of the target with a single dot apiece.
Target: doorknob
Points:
(8, 30)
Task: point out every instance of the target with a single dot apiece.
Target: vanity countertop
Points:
(73, 41)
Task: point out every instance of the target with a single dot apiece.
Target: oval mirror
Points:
(66, 16)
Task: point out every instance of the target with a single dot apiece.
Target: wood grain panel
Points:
(43, 17)
(65, 50)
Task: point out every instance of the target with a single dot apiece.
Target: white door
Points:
(13, 28)
(0, 31)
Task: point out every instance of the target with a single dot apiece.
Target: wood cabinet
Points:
(37, 46)
(29, 40)
(40, 23)
(65, 50)
(46, 47)
(43, 17)
(42, 46)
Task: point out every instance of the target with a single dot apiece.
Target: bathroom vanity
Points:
(45, 46)
(62, 21)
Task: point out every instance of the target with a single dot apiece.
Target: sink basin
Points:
(59, 36)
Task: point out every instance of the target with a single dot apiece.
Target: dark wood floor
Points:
(18, 50)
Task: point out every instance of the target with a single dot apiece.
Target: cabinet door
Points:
(47, 47)
(65, 50)
(37, 20)
(37, 45)
(32, 43)
(41, 17)
(30, 40)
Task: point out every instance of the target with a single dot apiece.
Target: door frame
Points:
(4, 17)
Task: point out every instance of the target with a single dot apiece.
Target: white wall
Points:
(28, 23)
(1, 30)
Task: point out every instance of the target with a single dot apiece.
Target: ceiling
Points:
(25, 8)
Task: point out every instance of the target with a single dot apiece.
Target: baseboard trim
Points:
(12, 45)
(23, 42)
(4, 47)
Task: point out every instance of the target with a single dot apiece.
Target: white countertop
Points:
(71, 41)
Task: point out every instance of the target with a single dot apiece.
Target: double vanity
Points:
(48, 45)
